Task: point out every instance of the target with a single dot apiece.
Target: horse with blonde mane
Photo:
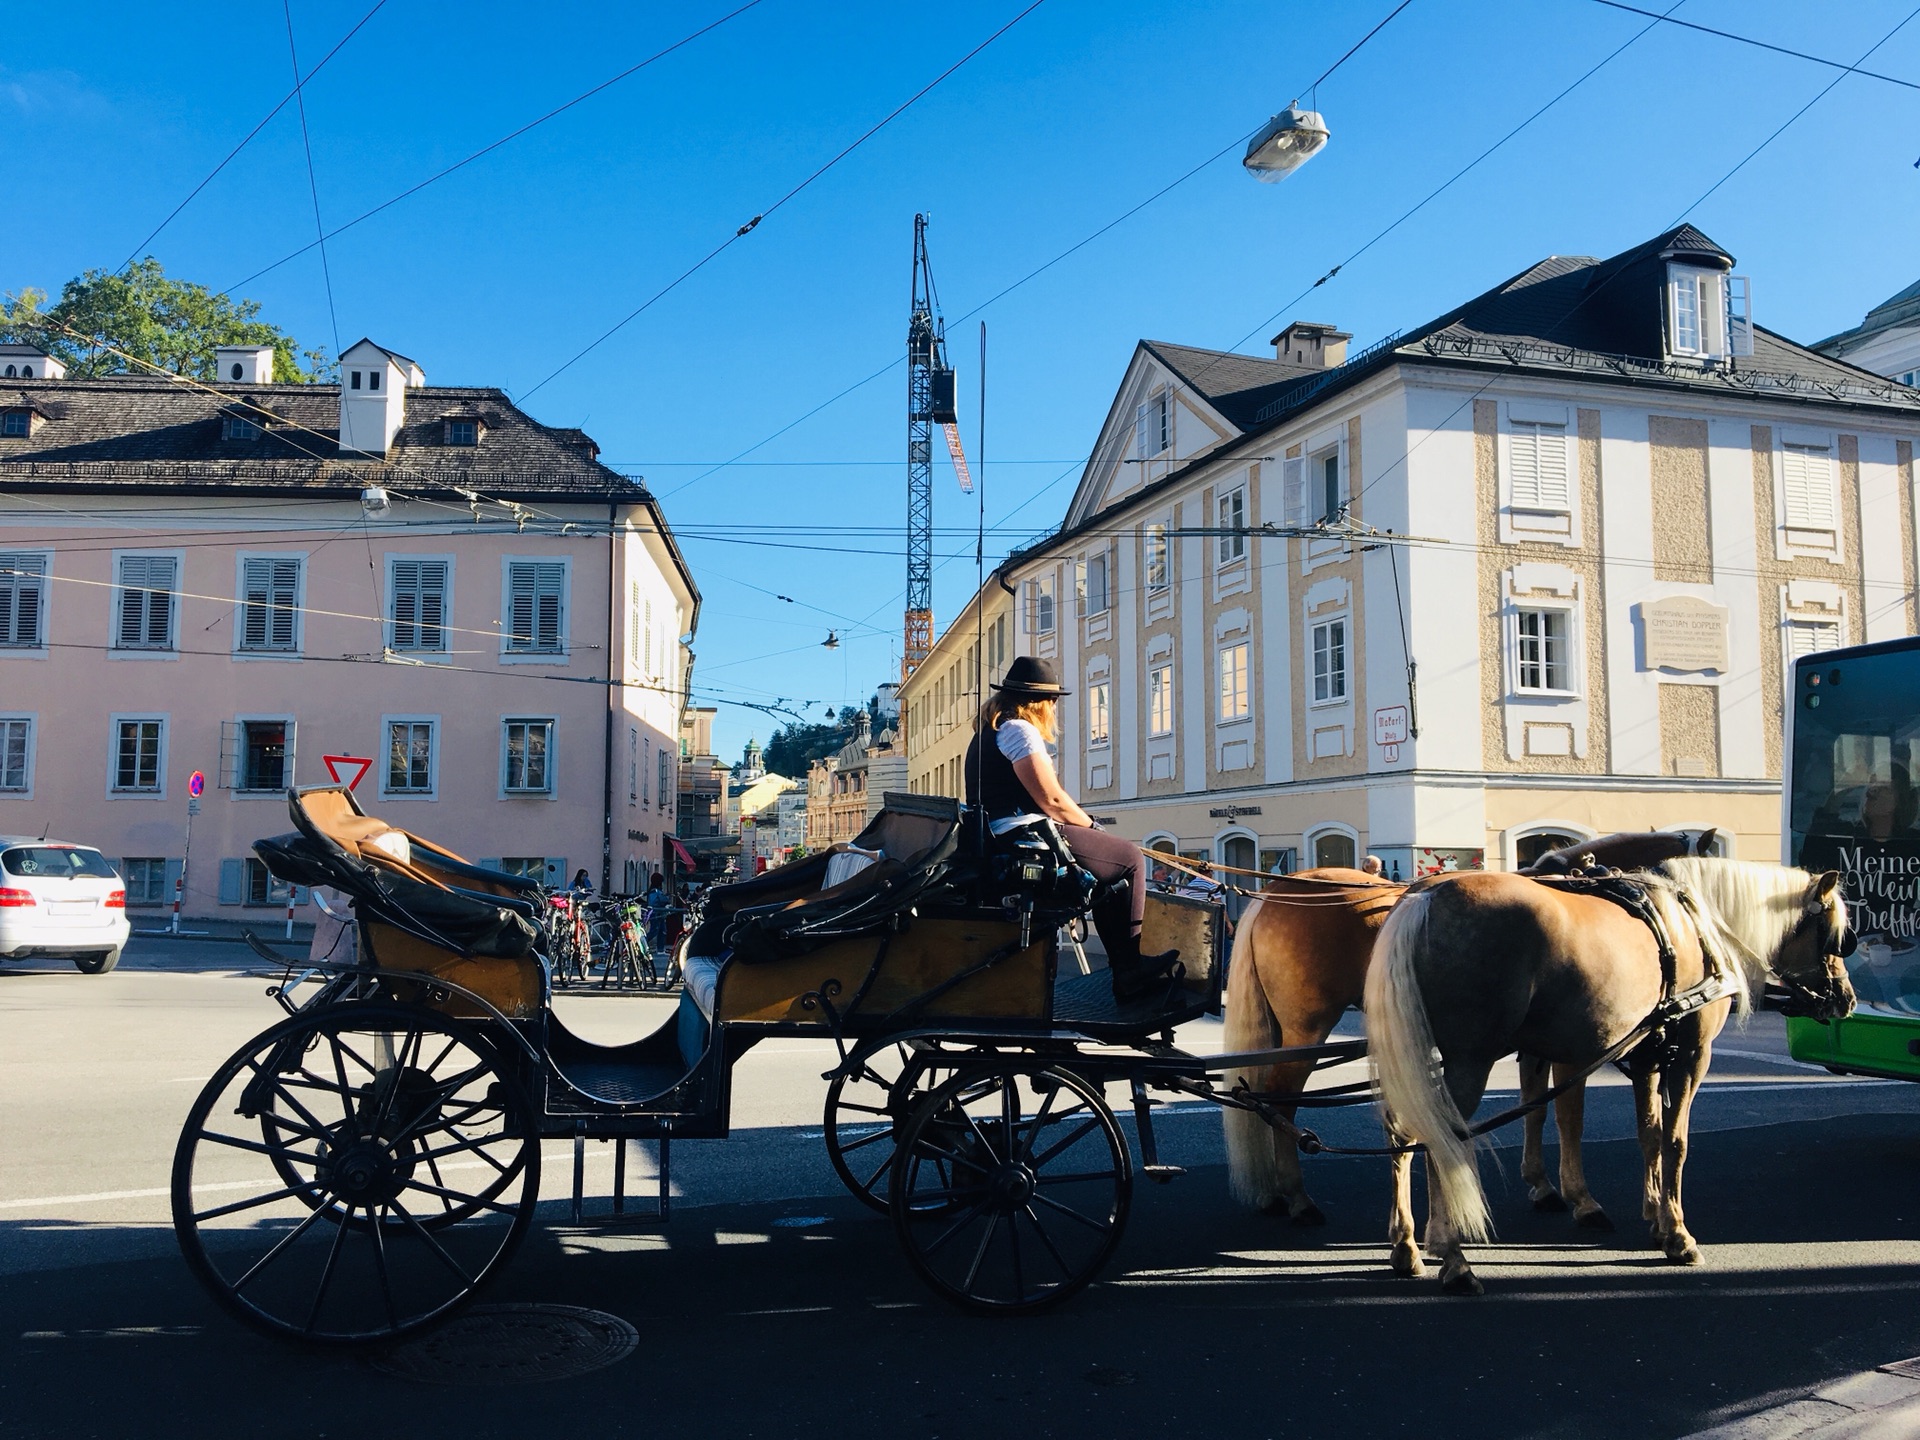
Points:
(1481, 965)
(1300, 955)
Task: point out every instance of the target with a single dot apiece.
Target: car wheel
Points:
(97, 964)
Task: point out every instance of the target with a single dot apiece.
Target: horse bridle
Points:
(1802, 998)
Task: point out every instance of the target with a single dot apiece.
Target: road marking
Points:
(1762, 1055)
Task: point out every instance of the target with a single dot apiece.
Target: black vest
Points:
(991, 781)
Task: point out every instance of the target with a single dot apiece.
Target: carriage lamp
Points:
(1285, 143)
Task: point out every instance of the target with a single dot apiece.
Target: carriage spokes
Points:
(397, 1165)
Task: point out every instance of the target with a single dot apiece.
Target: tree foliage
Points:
(794, 747)
(173, 324)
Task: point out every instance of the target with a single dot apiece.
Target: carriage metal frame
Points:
(959, 1107)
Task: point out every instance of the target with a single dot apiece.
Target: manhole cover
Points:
(512, 1345)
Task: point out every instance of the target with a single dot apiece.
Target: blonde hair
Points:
(1043, 715)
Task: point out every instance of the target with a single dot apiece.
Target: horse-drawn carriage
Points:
(363, 1167)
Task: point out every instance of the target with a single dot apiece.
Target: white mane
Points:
(1746, 911)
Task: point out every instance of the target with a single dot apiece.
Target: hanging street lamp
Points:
(1285, 143)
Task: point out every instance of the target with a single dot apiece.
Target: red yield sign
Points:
(334, 762)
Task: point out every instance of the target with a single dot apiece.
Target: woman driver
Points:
(1012, 774)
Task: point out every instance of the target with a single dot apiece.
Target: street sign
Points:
(334, 762)
(196, 785)
(1390, 730)
(193, 805)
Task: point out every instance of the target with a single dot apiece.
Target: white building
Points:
(1887, 342)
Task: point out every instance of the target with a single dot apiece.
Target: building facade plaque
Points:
(1684, 633)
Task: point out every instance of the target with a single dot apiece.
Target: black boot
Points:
(1136, 976)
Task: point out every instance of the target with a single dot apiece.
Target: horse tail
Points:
(1252, 1170)
(1412, 1092)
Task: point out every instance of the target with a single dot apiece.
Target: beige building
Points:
(941, 697)
(1532, 570)
(846, 790)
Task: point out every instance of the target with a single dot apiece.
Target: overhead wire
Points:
(743, 231)
(313, 184)
(506, 139)
(246, 140)
(1762, 44)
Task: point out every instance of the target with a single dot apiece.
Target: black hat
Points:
(1031, 678)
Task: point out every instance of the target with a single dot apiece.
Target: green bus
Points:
(1850, 803)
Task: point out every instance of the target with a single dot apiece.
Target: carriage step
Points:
(1162, 1174)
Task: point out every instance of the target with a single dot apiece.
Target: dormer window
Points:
(238, 427)
(1709, 314)
(1153, 426)
(16, 422)
(463, 432)
(23, 372)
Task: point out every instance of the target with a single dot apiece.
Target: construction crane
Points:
(930, 402)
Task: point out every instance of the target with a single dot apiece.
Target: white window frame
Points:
(269, 653)
(1230, 512)
(1316, 487)
(239, 789)
(1155, 540)
(114, 788)
(31, 723)
(547, 789)
(1792, 625)
(1100, 715)
(1811, 538)
(1160, 690)
(510, 656)
(1098, 558)
(1706, 292)
(443, 652)
(1510, 839)
(383, 759)
(40, 650)
(1153, 425)
(1241, 698)
(633, 765)
(170, 650)
(1516, 664)
(1043, 605)
(1310, 841)
(1315, 624)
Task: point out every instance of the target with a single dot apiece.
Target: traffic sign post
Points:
(196, 787)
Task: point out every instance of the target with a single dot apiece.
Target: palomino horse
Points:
(1482, 965)
(1300, 957)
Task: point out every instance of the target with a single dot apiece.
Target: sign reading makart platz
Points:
(1684, 633)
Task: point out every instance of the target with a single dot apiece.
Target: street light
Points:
(1285, 143)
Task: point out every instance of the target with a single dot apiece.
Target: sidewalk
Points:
(1882, 1404)
(150, 927)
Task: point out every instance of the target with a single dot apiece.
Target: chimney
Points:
(243, 365)
(373, 401)
(1306, 342)
(29, 362)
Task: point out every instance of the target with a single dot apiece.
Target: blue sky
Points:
(1083, 109)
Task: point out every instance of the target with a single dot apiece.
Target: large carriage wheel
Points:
(1011, 1186)
(864, 1116)
(397, 1166)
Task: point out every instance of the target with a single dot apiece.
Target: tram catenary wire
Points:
(313, 183)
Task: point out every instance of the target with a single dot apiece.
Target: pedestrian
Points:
(1009, 772)
(1373, 865)
(582, 883)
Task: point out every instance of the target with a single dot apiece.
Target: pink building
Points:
(245, 580)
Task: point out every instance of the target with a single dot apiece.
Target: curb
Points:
(1878, 1403)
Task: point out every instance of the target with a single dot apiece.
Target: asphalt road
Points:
(773, 1305)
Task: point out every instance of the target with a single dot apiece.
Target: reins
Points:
(1337, 890)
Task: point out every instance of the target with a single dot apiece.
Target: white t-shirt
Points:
(1019, 739)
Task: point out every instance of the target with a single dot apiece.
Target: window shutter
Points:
(406, 604)
(286, 579)
(533, 604)
(1523, 451)
(1140, 451)
(1293, 485)
(1807, 481)
(133, 628)
(162, 576)
(253, 625)
(1739, 315)
(22, 577)
(233, 882)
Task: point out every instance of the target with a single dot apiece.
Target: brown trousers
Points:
(1118, 917)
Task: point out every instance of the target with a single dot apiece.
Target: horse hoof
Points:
(1465, 1283)
(1548, 1202)
(1595, 1219)
(1309, 1214)
(1406, 1260)
(1682, 1251)
(1276, 1206)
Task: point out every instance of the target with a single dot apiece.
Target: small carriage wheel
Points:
(864, 1115)
(1011, 1186)
(414, 1160)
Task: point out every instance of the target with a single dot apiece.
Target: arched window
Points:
(1335, 845)
(1528, 843)
(1241, 851)
(1161, 844)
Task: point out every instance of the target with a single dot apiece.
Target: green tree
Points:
(173, 324)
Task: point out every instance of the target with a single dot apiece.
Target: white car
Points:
(61, 899)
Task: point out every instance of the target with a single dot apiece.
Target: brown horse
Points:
(1299, 961)
(1482, 965)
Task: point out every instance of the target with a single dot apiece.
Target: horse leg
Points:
(1533, 1163)
(1292, 1184)
(1646, 1116)
(1569, 1122)
(1466, 1084)
(1405, 1258)
(1678, 1086)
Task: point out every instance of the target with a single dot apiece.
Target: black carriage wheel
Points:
(398, 1167)
(1010, 1187)
(864, 1115)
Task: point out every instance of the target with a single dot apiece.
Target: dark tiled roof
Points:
(128, 431)
(1237, 386)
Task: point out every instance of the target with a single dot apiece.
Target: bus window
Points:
(1853, 806)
